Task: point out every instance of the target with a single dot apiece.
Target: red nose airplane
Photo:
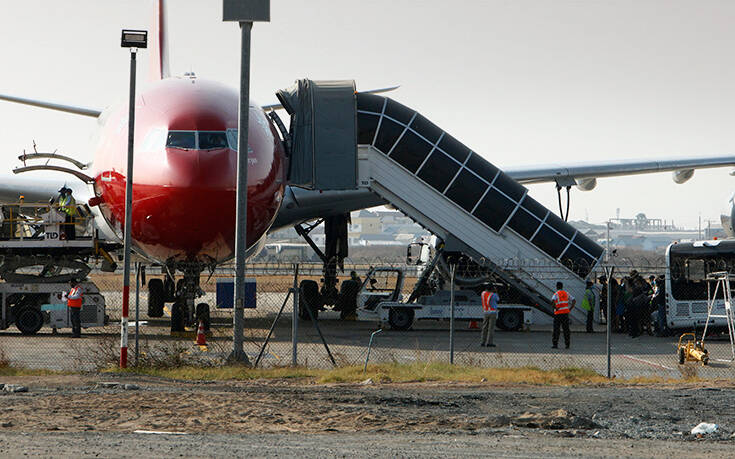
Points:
(183, 214)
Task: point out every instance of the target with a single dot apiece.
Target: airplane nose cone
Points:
(200, 168)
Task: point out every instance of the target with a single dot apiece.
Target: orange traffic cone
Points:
(201, 338)
(473, 325)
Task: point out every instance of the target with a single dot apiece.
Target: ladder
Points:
(722, 281)
(455, 193)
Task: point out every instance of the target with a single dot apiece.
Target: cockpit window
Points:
(212, 140)
(181, 139)
(232, 138)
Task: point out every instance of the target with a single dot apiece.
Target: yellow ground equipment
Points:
(691, 350)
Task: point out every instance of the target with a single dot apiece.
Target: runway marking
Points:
(647, 362)
(158, 432)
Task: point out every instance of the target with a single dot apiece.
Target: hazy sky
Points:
(520, 82)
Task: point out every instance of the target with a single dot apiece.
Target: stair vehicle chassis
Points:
(379, 299)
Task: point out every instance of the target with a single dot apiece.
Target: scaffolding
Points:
(722, 280)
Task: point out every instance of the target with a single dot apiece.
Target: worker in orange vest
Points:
(490, 315)
(74, 303)
(563, 303)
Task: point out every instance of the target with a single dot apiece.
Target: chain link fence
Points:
(640, 344)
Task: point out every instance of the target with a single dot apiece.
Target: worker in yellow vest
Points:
(68, 205)
(74, 303)
(490, 315)
(563, 303)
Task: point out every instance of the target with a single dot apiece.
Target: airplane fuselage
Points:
(184, 176)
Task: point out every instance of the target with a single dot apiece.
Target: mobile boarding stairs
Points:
(343, 140)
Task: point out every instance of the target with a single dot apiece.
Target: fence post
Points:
(610, 271)
(295, 317)
(137, 311)
(452, 268)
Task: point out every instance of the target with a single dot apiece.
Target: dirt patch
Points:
(75, 403)
(557, 419)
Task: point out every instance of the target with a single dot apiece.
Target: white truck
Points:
(379, 299)
(30, 306)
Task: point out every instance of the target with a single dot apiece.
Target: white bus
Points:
(687, 267)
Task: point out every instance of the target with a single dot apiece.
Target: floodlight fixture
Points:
(246, 10)
(134, 38)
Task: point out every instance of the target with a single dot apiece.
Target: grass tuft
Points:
(20, 371)
(394, 372)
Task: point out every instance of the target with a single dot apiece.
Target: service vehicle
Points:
(37, 261)
(690, 349)
(380, 299)
(30, 306)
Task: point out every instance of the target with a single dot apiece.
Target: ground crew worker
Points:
(658, 301)
(563, 303)
(490, 315)
(68, 205)
(74, 303)
(588, 304)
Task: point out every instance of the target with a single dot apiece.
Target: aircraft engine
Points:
(727, 218)
(587, 184)
(683, 175)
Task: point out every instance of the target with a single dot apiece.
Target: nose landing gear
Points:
(183, 294)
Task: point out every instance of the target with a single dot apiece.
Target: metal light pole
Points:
(245, 12)
(132, 39)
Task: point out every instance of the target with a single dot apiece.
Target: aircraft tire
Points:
(309, 298)
(177, 317)
(348, 298)
(169, 287)
(156, 298)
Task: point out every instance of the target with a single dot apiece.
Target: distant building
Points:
(642, 233)
(364, 223)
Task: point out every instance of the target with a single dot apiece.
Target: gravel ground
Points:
(516, 445)
(75, 415)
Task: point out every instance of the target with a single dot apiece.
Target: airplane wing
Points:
(369, 91)
(585, 174)
(75, 109)
(39, 189)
